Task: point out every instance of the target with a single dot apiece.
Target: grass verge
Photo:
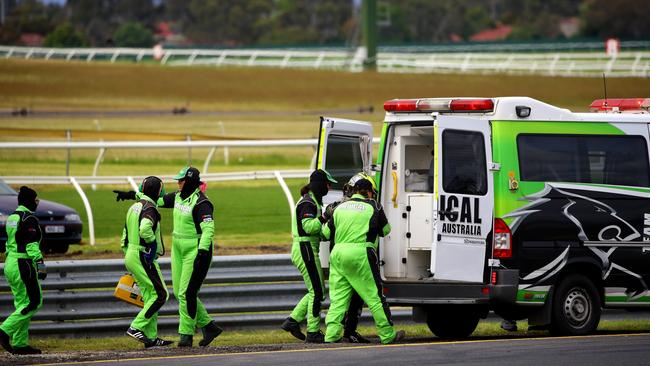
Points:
(486, 329)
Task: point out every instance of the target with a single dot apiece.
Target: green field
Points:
(250, 217)
(79, 85)
(259, 103)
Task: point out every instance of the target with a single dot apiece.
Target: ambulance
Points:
(508, 205)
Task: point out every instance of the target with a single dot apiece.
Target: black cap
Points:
(320, 175)
(189, 173)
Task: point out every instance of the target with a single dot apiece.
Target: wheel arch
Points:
(588, 268)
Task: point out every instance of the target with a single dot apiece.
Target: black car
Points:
(61, 225)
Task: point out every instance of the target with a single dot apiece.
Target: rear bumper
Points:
(505, 290)
(72, 234)
(433, 293)
(436, 293)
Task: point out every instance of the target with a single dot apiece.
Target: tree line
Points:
(137, 23)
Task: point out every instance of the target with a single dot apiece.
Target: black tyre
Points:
(576, 306)
(46, 248)
(448, 322)
(61, 248)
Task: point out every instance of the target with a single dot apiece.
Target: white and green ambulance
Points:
(506, 204)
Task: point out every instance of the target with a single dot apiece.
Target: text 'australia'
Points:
(463, 215)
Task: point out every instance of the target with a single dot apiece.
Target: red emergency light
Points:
(401, 105)
(620, 105)
(472, 105)
(439, 105)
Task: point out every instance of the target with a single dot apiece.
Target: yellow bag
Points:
(127, 290)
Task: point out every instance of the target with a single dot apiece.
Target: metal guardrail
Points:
(239, 291)
(509, 61)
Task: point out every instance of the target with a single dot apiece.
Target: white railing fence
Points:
(77, 183)
(551, 62)
(95, 180)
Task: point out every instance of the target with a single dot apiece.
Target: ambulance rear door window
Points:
(463, 162)
(344, 158)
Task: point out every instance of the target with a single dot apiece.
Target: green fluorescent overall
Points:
(23, 239)
(142, 244)
(193, 231)
(355, 226)
(306, 229)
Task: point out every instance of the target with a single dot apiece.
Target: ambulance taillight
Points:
(620, 105)
(502, 240)
(461, 105)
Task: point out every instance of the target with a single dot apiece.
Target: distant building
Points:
(569, 27)
(167, 35)
(455, 38)
(31, 39)
(499, 33)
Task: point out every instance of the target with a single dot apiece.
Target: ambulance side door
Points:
(463, 196)
(344, 149)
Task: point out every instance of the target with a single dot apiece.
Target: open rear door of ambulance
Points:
(463, 194)
(344, 149)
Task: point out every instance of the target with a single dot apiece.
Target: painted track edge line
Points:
(404, 345)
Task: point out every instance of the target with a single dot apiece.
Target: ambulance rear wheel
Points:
(576, 307)
(449, 323)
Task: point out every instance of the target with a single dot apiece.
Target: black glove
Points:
(124, 195)
(203, 258)
(203, 254)
(41, 269)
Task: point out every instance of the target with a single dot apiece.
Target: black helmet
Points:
(152, 187)
(27, 198)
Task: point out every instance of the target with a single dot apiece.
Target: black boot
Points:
(158, 342)
(5, 341)
(399, 335)
(185, 341)
(27, 350)
(355, 337)
(210, 332)
(291, 325)
(138, 335)
(315, 337)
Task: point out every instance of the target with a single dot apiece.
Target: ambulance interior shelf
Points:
(418, 172)
(418, 185)
(412, 211)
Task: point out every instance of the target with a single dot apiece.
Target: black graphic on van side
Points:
(580, 223)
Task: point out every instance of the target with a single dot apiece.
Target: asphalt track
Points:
(617, 349)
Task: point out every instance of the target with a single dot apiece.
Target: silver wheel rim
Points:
(577, 307)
